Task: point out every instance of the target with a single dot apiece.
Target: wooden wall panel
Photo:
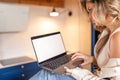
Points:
(33, 2)
(10, 1)
(52, 3)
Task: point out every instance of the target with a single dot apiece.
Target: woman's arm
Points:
(82, 74)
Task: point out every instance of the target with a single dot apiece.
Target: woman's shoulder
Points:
(116, 32)
(116, 36)
(115, 45)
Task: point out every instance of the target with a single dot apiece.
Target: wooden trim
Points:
(51, 3)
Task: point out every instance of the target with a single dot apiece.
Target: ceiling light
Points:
(54, 13)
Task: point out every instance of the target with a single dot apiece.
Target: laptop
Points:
(51, 53)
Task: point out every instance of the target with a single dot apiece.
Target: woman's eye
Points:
(89, 10)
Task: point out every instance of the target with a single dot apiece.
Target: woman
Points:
(107, 49)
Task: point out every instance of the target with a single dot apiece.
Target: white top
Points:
(110, 67)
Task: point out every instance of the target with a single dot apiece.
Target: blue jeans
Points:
(47, 75)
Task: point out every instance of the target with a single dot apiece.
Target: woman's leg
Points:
(46, 75)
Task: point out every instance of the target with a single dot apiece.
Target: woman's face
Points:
(92, 12)
(89, 7)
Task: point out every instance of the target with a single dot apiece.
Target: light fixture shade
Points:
(54, 13)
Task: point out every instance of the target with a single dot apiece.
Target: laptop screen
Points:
(48, 45)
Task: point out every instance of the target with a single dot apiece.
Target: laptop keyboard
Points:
(56, 62)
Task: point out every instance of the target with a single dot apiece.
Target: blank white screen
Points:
(48, 46)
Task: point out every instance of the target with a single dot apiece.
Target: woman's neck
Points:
(112, 28)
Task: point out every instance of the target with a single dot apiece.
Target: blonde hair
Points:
(113, 8)
(104, 8)
(107, 8)
(96, 2)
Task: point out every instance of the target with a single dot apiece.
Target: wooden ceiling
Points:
(51, 3)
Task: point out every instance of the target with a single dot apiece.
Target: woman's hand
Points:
(68, 70)
(87, 59)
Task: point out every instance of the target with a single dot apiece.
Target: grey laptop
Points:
(50, 52)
